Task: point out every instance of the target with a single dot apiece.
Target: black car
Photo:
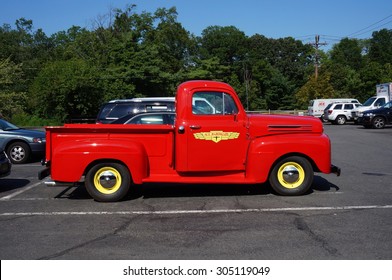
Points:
(148, 118)
(5, 164)
(21, 144)
(378, 118)
(116, 109)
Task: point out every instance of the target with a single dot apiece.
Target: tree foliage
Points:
(127, 54)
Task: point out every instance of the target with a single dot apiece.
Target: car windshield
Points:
(387, 105)
(369, 101)
(4, 125)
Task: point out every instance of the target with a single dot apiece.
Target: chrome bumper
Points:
(335, 170)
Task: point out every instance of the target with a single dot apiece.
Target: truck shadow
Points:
(323, 185)
(7, 184)
(159, 190)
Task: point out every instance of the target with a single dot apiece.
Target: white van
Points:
(317, 106)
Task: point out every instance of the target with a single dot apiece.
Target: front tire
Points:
(378, 122)
(108, 182)
(291, 176)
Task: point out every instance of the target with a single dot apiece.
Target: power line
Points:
(356, 33)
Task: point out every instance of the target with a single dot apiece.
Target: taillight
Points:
(330, 111)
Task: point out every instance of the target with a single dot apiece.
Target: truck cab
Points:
(383, 96)
(373, 102)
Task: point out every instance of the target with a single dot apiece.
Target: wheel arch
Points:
(16, 140)
(311, 161)
(106, 160)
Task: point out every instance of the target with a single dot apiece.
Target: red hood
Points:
(261, 125)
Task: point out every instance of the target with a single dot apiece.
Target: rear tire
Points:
(291, 176)
(108, 182)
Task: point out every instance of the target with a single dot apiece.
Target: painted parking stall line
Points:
(14, 194)
(184, 212)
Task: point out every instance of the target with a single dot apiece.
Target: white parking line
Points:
(216, 211)
(8, 197)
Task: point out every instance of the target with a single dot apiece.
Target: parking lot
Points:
(346, 217)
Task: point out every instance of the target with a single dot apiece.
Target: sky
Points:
(301, 19)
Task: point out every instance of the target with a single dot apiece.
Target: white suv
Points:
(339, 113)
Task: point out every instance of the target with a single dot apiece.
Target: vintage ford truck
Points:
(221, 146)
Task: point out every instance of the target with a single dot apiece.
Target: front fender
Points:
(71, 159)
(265, 151)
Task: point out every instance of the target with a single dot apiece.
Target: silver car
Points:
(339, 113)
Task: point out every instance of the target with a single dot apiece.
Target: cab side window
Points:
(338, 107)
(213, 103)
(348, 106)
(380, 102)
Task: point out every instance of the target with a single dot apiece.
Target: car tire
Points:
(322, 119)
(341, 120)
(108, 182)
(291, 176)
(18, 152)
(378, 122)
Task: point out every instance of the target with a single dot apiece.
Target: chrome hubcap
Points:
(18, 153)
(290, 174)
(108, 179)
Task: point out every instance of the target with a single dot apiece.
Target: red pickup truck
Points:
(212, 141)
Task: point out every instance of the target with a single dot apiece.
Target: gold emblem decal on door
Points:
(216, 136)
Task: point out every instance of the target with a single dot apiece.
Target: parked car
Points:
(377, 118)
(21, 144)
(339, 113)
(148, 118)
(5, 164)
(116, 109)
(317, 106)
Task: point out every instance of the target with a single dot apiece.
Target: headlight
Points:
(38, 140)
(370, 115)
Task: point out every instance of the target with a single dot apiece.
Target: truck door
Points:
(214, 138)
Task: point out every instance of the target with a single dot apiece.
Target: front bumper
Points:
(335, 170)
(38, 148)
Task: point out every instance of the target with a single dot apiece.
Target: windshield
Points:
(369, 101)
(387, 105)
(4, 125)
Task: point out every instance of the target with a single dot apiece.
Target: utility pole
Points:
(316, 45)
(247, 78)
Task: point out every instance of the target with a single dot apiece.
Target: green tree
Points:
(380, 49)
(348, 52)
(315, 89)
(66, 89)
(12, 101)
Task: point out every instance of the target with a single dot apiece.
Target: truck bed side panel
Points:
(141, 150)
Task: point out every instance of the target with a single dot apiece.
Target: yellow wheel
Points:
(108, 182)
(291, 176)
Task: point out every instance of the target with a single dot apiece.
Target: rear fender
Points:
(73, 159)
(265, 151)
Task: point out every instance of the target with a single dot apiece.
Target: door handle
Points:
(195, 126)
